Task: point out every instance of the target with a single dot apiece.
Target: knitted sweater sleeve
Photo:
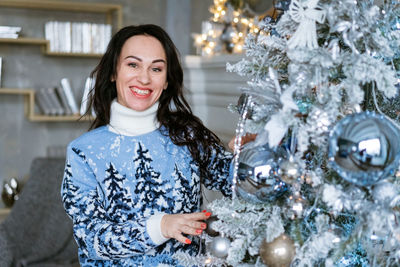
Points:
(219, 174)
(96, 233)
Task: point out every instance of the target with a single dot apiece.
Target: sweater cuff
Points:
(154, 228)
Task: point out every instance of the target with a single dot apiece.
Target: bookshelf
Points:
(113, 16)
(108, 9)
(29, 103)
(112, 13)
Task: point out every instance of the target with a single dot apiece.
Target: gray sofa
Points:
(37, 232)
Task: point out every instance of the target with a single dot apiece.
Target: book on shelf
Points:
(54, 100)
(10, 29)
(9, 35)
(63, 100)
(11, 32)
(89, 84)
(43, 102)
(77, 37)
(66, 86)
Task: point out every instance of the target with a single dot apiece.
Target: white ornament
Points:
(306, 14)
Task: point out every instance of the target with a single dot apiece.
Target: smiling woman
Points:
(141, 72)
(132, 183)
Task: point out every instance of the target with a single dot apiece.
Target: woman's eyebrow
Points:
(139, 59)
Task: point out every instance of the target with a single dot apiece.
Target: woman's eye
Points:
(133, 65)
(157, 69)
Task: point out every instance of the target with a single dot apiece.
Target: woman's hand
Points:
(175, 225)
(245, 139)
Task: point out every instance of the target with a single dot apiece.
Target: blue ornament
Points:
(364, 148)
(283, 5)
(258, 181)
(395, 25)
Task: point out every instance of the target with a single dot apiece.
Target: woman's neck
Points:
(126, 121)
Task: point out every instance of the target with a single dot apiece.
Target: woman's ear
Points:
(165, 86)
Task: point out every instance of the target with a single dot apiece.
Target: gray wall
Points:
(24, 66)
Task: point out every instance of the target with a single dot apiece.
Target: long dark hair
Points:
(174, 112)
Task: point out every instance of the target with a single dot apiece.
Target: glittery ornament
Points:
(364, 148)
(219, 246)
(384, 192)
(297, 205)
(321, 120)
(211, 230)
(278, 253)
(289, 170)
(7, 195)
(257, 179)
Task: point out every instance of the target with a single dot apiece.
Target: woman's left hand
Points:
(176, 225)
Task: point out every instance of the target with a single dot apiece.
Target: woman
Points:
(132, 183)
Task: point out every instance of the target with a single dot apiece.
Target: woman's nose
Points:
(144, 77)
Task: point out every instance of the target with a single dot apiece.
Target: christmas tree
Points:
(319, 186)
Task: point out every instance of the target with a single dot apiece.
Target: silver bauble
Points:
(228, 34)
(7, 195)
(364, 148)
(278, 253)
(289, 170)
(219, 246)
(258, 7)
(211, 230)
(257, 175)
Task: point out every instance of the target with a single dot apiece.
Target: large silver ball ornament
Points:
(257, 175)
(278, 253)
(211, 230)
(364, 148)
(219, 246)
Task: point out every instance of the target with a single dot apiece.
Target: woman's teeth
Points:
(141, 92)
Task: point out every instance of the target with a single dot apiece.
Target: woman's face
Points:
(141, 72)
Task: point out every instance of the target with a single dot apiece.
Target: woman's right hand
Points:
(176, 225)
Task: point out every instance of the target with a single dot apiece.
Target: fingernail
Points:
(188, 241)
(204, 211)
(199, 231)
(208, 214)
(203, 225)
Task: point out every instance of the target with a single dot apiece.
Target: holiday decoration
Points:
(278, 253)
(10, 192)
(219, 246)
(227, 29)
(289, 170)
(297, 205)
(211, 229)
(257, 179)
(365, 148)
(322, 175)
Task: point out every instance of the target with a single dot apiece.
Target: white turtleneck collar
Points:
(126, 121)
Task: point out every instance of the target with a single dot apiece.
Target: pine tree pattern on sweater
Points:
(112, 184)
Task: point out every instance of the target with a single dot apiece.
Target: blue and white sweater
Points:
(117, 185)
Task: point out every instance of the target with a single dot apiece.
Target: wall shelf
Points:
(45, 47)
(108, 9)
(29, 95)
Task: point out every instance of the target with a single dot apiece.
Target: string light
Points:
(226, 30)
